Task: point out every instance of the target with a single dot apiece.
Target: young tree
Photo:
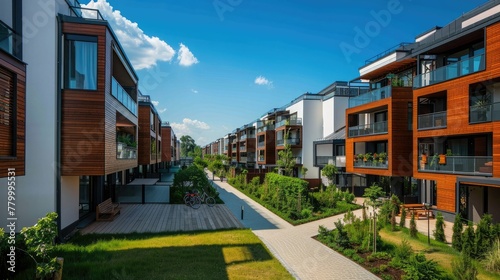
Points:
(464, 268)
(484, 239)
(439, 231)
(413, 226)
(394, 203)
(286, 160)
(468, 247)
(402, 222)
(458, 228)
(329, 172)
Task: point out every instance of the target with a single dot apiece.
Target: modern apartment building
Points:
(150, 137)
(169, 146)
(433, 114)
(68, 112)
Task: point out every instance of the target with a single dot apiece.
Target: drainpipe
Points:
(58, 129)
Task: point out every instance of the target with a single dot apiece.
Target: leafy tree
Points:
(373, 192)
(286, 160)
(439, 231)
(187, 145)
(458, 228)
(329, 172)
(197, 152)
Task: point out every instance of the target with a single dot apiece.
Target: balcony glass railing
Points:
(289, 122)
(6, 38)
(324, 160)
(368, 129)
(265, 128)
(261, 144)
(291, 141)
(484, 113)
(125, 152)
(433, 120)
(451, 71)
(377, 164)
(471, 165)
(262, 158)
(122, 95)
(371, 96)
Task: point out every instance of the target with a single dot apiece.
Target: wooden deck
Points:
(166, 218)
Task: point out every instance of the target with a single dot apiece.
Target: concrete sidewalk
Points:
(293, 246)
(302, 256)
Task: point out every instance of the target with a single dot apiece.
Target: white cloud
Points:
(263, 81)
(186, 57)
(156, 103)
(194, 91)
(144, 51)
(161, 111)
(187, 126)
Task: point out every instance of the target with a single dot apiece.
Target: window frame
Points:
(78, 38)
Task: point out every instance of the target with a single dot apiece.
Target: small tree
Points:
(458, 228)
(484, 240)
(464, 268)
(304, 171)
(395, 202)
(402, 222)
(439, 231)
(286, 160)
(468, 247)
(329, 172)
(413, 226)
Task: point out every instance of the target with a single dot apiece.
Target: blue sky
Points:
(213, 66)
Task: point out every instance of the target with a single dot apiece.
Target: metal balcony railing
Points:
(371, 96)
(368, 129)
(451, 71)
(291, 141)
(433, 120)
(123, 96)
(470, 165)
(7, 38)
(289, 122)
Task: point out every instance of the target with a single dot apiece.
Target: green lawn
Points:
(230, 254)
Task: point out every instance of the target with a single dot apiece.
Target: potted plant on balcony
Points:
(482, 106)
(368, 157)
(382, 158)
(434, 160)
(360, 157)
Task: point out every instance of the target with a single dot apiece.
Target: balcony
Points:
(261, 158)
(243, 148)
(265, 128)
(123, 96)
(470, 165)
(243, 159)
(451, 71)
(123, 151)
(298, 160)
(375, 164)
(371, 96)
(243, 137)
(7, 38)
(484, 113)
(432, 121)
(289, 122)
(290, 141)
(368, 129)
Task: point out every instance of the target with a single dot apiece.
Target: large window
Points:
(80, 62)
(7, 113)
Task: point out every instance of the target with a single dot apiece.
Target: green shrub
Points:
(464, 268)
(402, 222)
(418, 267)
(357, 258)
(379, 256)
(458, 228)
(341, 238)
(402, 253)
(468, 246)
(349, 253)
(413, 226)
(306, 213)
(439, 231)
(484, 239)
(492, 258)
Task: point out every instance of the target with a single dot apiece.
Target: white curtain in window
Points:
(86, 65)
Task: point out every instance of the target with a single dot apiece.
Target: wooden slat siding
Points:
(144, 144)
(291, 127)
(269, 147)
(166, 149)
(89, 117)
(458, 118)
(19, 70)
(399, 138)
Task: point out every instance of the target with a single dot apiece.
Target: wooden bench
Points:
(107, 210)
(423, 214)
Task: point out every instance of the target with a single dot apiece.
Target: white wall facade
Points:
(70, 199)
(36, 191)
(311, 113)
(328, 117)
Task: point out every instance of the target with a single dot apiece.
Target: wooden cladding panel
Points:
(400, 144)
(446, 189)
(18, 71)
(166, 148)
(145, 134)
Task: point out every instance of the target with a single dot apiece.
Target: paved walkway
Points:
(304, 257)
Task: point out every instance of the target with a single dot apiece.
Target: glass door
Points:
(85, 195)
